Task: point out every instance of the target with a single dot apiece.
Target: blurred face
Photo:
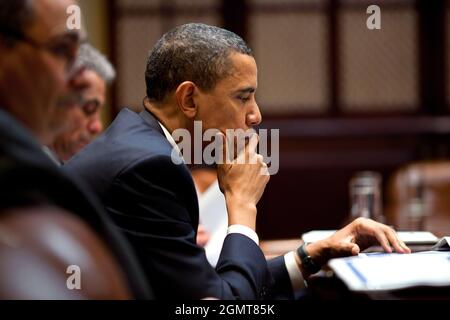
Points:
(35, 70)
(231, 104)
(85, 118)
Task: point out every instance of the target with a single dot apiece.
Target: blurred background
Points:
(345, 98)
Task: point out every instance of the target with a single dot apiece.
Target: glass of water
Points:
(365, 195)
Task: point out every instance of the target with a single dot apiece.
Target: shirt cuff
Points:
(295, 274)
(246, 231)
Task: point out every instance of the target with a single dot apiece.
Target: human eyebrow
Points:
(246, 90)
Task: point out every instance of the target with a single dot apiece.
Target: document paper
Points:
(413, 237)
(381, 272)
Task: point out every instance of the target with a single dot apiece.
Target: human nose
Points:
(254, 118)
(95, 126)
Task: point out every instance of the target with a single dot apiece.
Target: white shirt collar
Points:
(170, 138)
(52, 156)
(168, 135)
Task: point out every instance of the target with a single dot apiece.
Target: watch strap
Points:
(306, 260)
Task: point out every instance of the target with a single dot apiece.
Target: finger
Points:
(407, 249)
(355, 250)
(398, 245)
(259, 159)
(401, 243)
(393, 240)
(246, 155)
(253, 144)
(222, 148)
(264, 168)
(382, 239)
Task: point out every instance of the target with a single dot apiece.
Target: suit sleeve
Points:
(154, 203)
(282, 287)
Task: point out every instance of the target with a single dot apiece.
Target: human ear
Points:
(185, 99)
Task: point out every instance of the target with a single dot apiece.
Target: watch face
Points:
(309, 262)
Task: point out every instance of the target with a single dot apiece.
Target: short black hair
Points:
(15, 17)
(192, 52)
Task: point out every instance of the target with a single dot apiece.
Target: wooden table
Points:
(275, 248)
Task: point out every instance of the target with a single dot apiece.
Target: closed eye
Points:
(90, 107)
(244, 99)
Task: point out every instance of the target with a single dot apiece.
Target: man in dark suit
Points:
(37, 52)
(199, 72)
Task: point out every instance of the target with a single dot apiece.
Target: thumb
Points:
(355, 249)
(349, 249)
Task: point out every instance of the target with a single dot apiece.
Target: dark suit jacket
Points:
(154, 202)
(29, 177)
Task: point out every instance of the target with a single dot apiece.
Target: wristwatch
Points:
(307, 261)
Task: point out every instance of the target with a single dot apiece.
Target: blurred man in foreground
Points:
(48, 220)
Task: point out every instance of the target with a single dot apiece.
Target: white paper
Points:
(214, 218)
(382, 272)
(414, 237)
(417, 237)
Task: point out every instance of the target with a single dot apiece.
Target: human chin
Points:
(79, 146)
(82, 140)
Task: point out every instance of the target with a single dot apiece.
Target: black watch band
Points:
(306, 259)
